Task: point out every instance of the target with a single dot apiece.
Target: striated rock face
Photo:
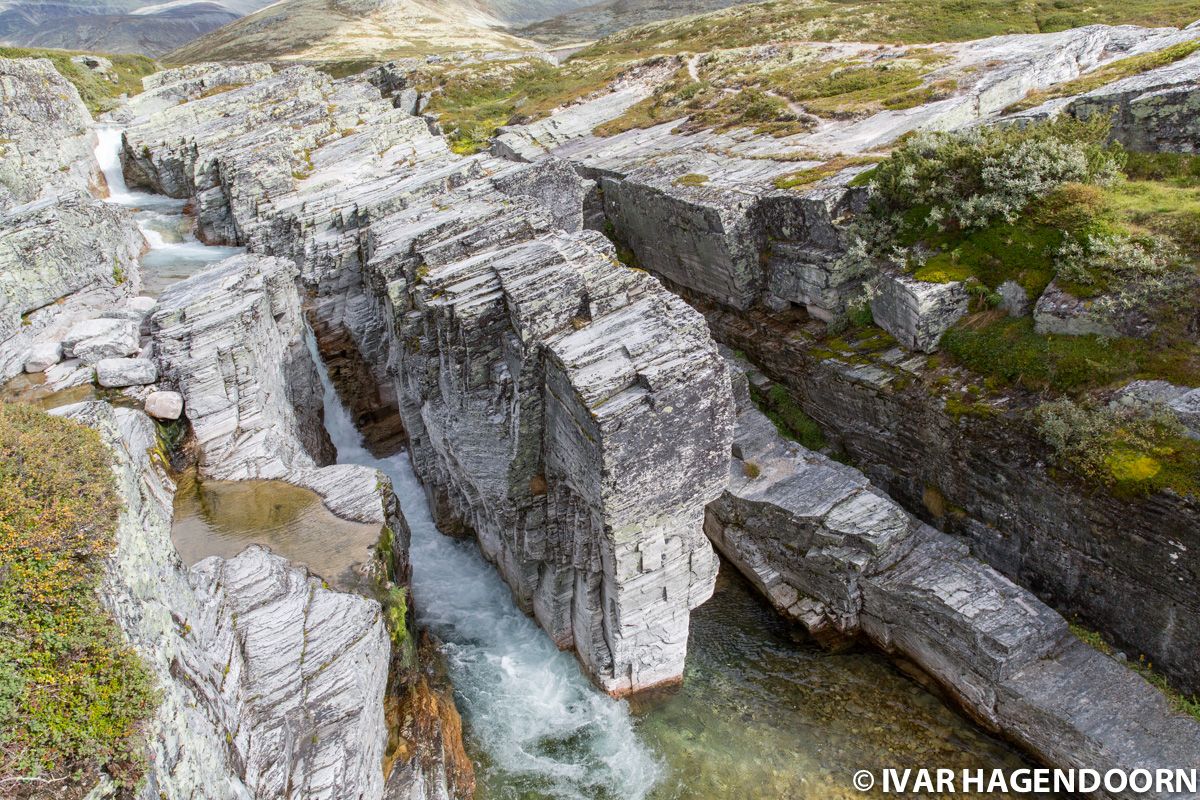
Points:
(273, 685)
(571, 421)
(306, 670)
(530, 369)
(838, 556)
(916, 312)
(1156, 111)
(45, 134)
(231, 341)
(58, 261)
(63, 254)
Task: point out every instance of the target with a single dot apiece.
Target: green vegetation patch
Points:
(1116, 70)
(1014, 354)
(1131, 453)
(790, 420)
(806, 177)
(473, 101)
(98, 92)
(73, 696)
(902, 21)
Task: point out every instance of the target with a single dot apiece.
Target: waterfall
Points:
(175, 252)
(536, 724)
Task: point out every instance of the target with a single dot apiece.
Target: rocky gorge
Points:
(536, 326)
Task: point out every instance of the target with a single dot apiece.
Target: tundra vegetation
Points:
(99, 93)
(74, 698)
(1055, 201)
(776, 67)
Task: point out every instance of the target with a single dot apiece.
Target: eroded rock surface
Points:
(834, 553)
(529, 367)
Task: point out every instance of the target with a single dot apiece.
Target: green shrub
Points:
(1127, 450)
(73, 696)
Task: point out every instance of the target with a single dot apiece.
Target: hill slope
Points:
(115, 26)
(352, 29)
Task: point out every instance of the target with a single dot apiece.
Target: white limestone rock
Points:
(43, 356)
(45, 135)
(96, 339)
(164, 405)
(59, 261)
(117, 373)
(231, 341)
(916, 312)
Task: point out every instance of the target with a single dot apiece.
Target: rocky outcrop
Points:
(272, 685)
(183, 84)
(231, 341)
(834, 553)
(528, 366)
(60, 261)
(63, 254)
(984, 477)
(45, 134)
(917, 312)
(1155, 111)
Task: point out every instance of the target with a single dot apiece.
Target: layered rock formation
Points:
(834, 553)
(766, 264)
(529, 367)
(63, 254)
(272, 685)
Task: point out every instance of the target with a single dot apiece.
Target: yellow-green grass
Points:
(98, 93)
(73, 695)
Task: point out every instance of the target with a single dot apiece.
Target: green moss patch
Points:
(1014, 354)
(73, 696)
(790, 420)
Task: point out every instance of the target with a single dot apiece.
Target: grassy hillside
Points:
(73, 695)
(97, 92)
(900, 21)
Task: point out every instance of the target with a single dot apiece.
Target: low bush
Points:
(1125, 449)
(73, 696)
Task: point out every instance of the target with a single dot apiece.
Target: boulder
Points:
(101, 338)
(1013, 298)
(916, 312)
(43, 356)
(164, 405)
(116, 373)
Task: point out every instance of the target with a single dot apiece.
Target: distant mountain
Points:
(359, 30)
(609, 16)
(115, 26)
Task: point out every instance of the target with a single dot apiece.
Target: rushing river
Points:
(175, 252)
(763, 713)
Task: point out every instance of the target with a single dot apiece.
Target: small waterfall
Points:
(175, 252)
(537, 727)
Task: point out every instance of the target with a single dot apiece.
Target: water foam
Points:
(537, 726)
